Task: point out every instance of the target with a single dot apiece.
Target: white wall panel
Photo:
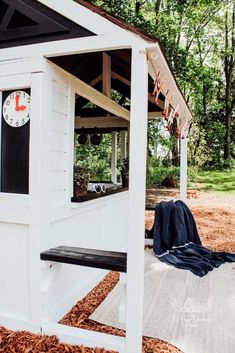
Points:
(116, 222)
(57, 196)
(60, 88)
(102, 225)
(59, 103)
(14, 265)
(59, 154)
(58, 161)
(57, 179)
(58, 122)
(70, 284)
(58, 141)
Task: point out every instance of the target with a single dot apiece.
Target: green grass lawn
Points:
(217, 181)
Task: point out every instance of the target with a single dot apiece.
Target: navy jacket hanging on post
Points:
(176, 240)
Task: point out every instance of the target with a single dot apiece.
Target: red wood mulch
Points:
(25, 342)
(216, 226)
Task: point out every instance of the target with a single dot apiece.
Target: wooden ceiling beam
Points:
(154, 115)
(94, 81)
(100, 122)
(99, 99)
(116, 76)
(108, 121)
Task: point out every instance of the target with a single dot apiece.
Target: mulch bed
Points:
(216, 227)
(25, 342)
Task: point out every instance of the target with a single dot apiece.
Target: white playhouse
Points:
(55, 57)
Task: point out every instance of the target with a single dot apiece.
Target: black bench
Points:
(108, 260)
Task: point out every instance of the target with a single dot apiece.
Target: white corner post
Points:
(137, 175)
(183, 168)
(107, 91)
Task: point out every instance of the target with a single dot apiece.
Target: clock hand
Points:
(19, 107)
(22, 107)
(17, 98)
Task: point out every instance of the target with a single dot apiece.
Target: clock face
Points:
(16, 109)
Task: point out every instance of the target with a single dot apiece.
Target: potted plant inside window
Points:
(124, 169)
(82, 175)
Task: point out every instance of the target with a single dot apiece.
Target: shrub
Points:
(157, 174)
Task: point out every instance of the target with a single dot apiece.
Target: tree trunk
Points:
(137, 7)
(175, 152)
(228, 69)
(157, 10)
(227, 145)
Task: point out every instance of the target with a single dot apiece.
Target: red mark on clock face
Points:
(19, 107)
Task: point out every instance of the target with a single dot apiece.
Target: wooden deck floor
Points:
(195, 314)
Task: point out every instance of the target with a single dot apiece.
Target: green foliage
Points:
(95, 159)
(158, 135)
(156, 173)
(192, 173)
(197, 147)
(124, 9)
(218, 181)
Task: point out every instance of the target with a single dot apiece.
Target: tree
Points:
(229, 65)
(198, 37)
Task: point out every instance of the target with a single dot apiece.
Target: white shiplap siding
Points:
(58, 143)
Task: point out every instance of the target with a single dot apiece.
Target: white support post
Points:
(114, 157)
(183, 168)
(123, 144)
(138, 146)
(107, 92)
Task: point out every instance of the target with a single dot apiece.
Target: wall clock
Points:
(16, 108)
(15, 138)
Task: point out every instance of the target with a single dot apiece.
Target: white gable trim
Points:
(87, 18)
(68, 47)
(156, 63)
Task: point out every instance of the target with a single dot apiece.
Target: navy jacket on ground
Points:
(176, 240)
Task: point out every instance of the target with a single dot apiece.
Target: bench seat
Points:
(108, 260)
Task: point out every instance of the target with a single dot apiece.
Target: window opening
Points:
(93, 155)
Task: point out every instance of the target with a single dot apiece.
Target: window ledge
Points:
(91, 195)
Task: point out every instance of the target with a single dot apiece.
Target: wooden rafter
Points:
(90, 93)
(154, 115)
(95, 81)
(100, 122)
(106, 74)
(128, 83)
(108, 122)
